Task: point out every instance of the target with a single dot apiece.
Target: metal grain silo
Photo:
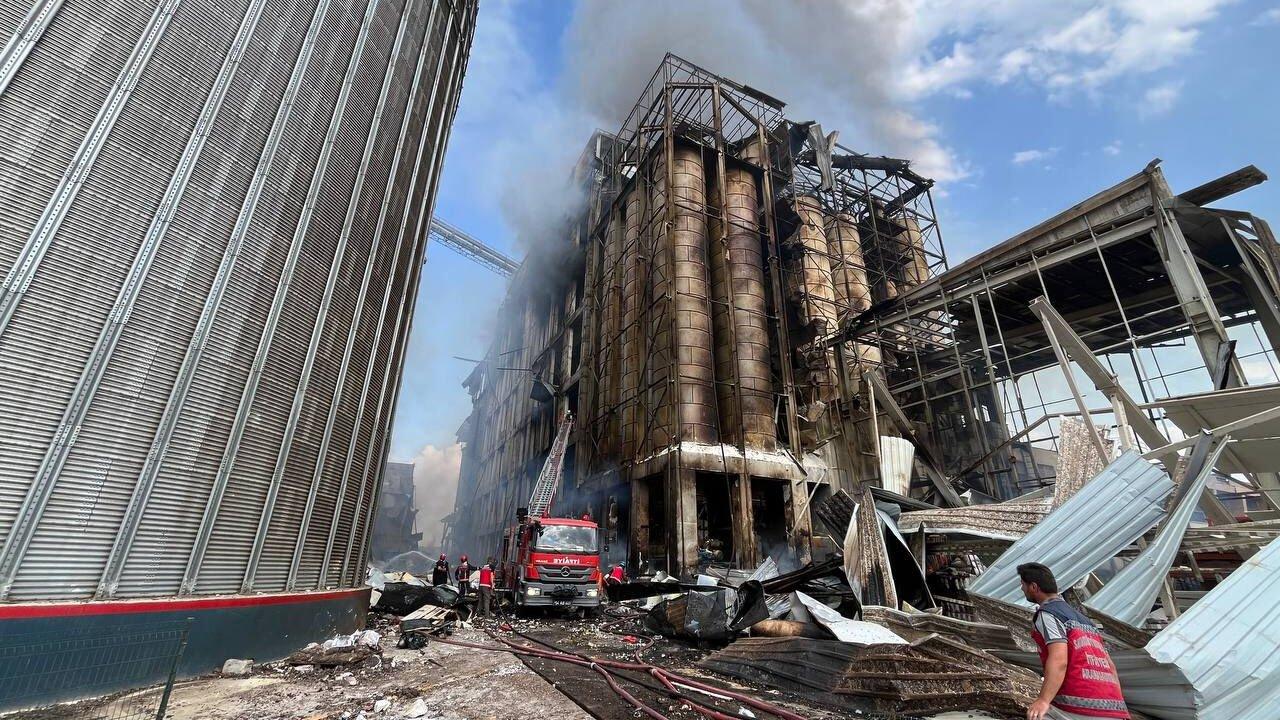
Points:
(212, 219)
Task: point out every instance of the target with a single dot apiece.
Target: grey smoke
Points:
(862, 67)
(801, 52)
(435, 484)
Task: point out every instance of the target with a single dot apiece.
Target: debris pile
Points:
(339, 651)
(928, 676)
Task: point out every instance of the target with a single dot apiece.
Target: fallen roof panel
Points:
(930, 675)
(1111, 511)
(1129, 595)
(1228, 643)
(1256, 447)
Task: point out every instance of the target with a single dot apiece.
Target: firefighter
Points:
(440, 573)
(463, 575)
(486, 589)
(618, 574)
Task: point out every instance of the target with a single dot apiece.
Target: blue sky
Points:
(1019, 109)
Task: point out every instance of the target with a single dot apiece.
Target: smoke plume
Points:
(868, 68)
(435, 483)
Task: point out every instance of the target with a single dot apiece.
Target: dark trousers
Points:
(486, 598)
(463, 587)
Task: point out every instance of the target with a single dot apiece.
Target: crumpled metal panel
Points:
(1008, 520)
(916, 625)
(931, 675)
(1128, 596)
(1228, 643)
(1155, 689)
(1111, 511)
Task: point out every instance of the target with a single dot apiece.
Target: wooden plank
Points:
(1227, 185)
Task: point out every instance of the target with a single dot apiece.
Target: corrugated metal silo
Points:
(212, 223)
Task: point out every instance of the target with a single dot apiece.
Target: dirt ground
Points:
(447, 682)
(453, 683)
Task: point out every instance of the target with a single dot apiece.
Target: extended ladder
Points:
(549, 478)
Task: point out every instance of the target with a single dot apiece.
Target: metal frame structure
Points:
(689, 330)
(1129, 274)
(471, 248)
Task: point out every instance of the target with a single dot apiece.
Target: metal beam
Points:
(1109, 385)
(471, 248)
(930, 460)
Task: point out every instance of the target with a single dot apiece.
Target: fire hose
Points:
(604, 667)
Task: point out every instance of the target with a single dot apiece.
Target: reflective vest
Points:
(1090, 687)
(616, 574)
(486, 577)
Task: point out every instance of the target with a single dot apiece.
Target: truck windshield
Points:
(566, 538)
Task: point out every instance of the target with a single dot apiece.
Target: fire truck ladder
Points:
(549, 478)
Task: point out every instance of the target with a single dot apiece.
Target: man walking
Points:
(486, 589)
(463, 575)
(1080, 681)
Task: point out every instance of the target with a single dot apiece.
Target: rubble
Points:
(342, 650)
(237, 668)
(931, 675)
(709, 615)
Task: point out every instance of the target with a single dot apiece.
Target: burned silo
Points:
(713, 267)
(768, 317)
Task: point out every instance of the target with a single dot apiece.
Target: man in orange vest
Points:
(486, 590)
(1080, 680)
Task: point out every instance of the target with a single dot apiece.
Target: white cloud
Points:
(435, 484)
(1022, 157)
(1268, 17)
(1160, 99)
(1112, 148)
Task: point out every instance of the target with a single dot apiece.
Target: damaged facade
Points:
(749, 321)
(683, 320)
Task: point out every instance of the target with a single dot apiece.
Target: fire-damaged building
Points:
(746, 318)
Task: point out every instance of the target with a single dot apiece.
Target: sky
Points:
(1018, 109)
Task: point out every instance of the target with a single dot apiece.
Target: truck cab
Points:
(553, 562)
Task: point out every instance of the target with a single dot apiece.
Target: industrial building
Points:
(746, 317)
(395, 526)
(212, 223)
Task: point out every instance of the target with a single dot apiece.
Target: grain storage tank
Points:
(214, 216)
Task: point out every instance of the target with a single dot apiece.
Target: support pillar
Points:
(745, 548)
(1188, 284)
(638, 542)
(682, 525)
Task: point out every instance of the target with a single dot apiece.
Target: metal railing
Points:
(129, 671)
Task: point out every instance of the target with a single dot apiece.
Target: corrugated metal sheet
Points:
(1257, 447)
(1128, 596)
(1228, 643)
(896, 464)
(1008, 520)
(1111, 511)
(118, 422)
(1156, 689)
(91, 495)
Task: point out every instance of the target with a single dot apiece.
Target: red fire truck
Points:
(549, 561)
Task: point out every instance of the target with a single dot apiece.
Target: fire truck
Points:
(552, 562)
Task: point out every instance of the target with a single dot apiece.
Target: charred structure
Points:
(746, 317)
